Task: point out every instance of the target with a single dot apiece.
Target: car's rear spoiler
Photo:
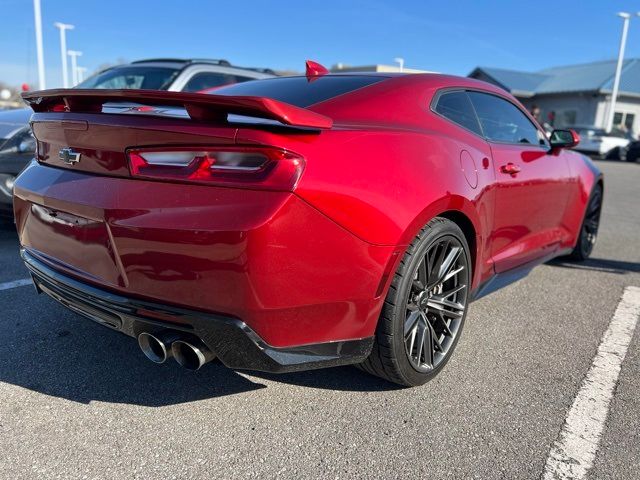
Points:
(198, 106)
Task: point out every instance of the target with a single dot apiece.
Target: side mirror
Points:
(564, 139)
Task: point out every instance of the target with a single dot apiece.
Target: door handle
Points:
(510, 168)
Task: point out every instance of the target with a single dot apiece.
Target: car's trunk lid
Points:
(91, 130)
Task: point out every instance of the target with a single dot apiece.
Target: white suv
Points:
(177, 75)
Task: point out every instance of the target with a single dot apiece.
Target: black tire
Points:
(613, 154)
(623, 154)
(589, 227)
(392, 356)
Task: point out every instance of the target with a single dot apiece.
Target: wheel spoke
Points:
(435, 343)
(448, 262)
(428, 340)
(445, 325)
(422, 272)
(443, 305)
(421, 339)
(411, 321)
(436, 267)
(448, 293)
(452, 273)
(412, 339)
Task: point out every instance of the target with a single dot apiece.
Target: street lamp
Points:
(63, 50)
(74, 54)
(81, 72)
(616, 81)
(400, 62)
(37, 19)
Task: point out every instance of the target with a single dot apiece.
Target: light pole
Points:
(37, 18)
(81, 72)
(400, 61)
(63, 50)
(616, 81)
(74, 54)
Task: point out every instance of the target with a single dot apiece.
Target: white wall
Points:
(584, 105)
(624, 105)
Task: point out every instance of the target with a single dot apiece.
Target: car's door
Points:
(530, 190)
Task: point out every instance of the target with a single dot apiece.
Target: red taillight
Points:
(248, 167)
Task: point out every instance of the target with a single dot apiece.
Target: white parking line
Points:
(574, 451)
(16, 283)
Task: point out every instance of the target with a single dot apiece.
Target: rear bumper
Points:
(232, 340)
(287, 271)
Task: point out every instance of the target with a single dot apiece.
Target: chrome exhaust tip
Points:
(191, 355)
(157, 348)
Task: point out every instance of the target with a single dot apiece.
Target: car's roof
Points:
(398, 99)
(185, 62)
(435, 80)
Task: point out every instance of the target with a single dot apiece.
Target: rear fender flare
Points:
(442, 207)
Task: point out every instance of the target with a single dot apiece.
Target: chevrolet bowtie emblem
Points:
(68, 156)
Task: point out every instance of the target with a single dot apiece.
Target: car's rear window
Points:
(150, 78)
(300, 91)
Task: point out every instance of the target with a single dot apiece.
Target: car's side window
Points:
(502, 121)
(205, 80)
(457, 107)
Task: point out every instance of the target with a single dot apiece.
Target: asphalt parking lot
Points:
(80, 401)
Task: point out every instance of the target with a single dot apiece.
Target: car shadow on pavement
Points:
(337, 378)
(599, 265)
(57, 353)
(50, 350)
(7, 228)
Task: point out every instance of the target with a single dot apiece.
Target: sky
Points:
(445, 36)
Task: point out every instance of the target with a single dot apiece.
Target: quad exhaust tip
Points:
(191, 355)
(157, 348)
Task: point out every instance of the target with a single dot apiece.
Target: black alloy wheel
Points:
(590, 225)
(425, 308)
(436, 303)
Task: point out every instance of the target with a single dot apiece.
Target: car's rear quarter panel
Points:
(584, 175)
(390, 164)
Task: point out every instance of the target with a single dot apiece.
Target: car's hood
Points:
(13, 120)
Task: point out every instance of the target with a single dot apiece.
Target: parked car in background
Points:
(298, 222)
(186, 75)
(17, 147)
(596, 141)
(631, 153)
(174, 75)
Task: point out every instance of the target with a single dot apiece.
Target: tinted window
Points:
(502, 121)
(457, 107)
(298, 90)
(152, 78)
(204, 80)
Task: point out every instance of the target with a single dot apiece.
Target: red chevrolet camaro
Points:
(297, 222)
